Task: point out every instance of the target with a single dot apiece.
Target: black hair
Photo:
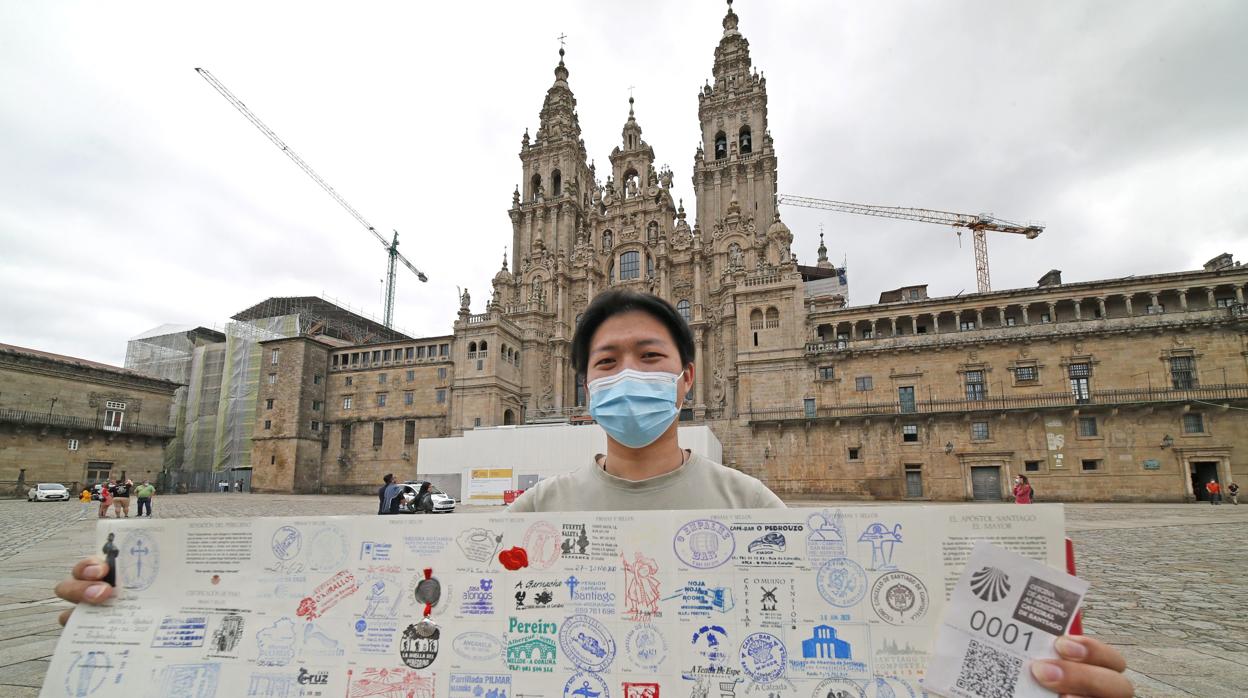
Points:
(388, 478)
(620, 300)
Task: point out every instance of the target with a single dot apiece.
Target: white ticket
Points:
(705, 604)
(1005, 611)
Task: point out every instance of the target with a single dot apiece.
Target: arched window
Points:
(721, 145)
(535, 187)
(556, 183)
(607, 240)
(472, 349)
(630, 265)
(773, 318)
(756, 319)
(685, 310)
(744, 140)
(482, 349)
(509, 417)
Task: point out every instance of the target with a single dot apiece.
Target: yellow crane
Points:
(977, 224)
(392, 247)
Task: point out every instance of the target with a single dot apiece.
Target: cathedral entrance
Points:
(1203, 472)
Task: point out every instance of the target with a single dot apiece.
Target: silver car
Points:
(48, 492)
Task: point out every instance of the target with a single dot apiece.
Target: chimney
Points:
(1052, 278)
(1222, 261)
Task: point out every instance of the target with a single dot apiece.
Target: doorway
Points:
(914, 481)
(1203, 472)
(986, 483)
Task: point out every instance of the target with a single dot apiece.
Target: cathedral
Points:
(730, 272)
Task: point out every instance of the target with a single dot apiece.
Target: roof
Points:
(814, 273)
(173, 328)
(79, 363)
(324, 317)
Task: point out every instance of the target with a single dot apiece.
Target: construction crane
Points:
(392, 247)
(978, 225)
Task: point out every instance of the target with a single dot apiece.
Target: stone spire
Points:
(823, 262)
(558, 116)
(632, 128)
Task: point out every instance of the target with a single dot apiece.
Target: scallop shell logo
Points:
(990, 584)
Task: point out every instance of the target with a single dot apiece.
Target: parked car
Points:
(48, 492)
(443, 503)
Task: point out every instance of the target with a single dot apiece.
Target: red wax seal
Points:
(514, 558)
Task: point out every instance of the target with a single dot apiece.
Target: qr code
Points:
(988, 672)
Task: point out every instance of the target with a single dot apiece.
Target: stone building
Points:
(1122, 389)
(77, 422)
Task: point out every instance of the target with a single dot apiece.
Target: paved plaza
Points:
(1169, 581)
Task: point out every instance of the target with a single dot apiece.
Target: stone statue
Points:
(653, 179)
(465, 300)
(632, 187)
(735, 258)
(665, 179)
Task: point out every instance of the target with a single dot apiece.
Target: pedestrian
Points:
(238, 485)
(1232, 491)
(144, 492)
(390, 496)
(121, 499)
(106, 497)
(382, 507)
(85, 498)
(1022, 490)
(1215, 492)
(424, 499)
(636, 354)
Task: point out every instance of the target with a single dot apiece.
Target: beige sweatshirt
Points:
(698, 484)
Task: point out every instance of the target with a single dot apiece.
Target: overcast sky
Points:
(132, 194)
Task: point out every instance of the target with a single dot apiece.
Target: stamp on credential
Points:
(763, 657)
(478, 544)
(418, 650)
(841, 582)
(327, 595)
(587, 643)
(542, 542)
(703, 544)
(477, 646)
(188, 679)
(181, 632)
(899, 598)
(88, 671)
(327, 549)
(286, 543)
(140, 560)
(646, 647)
(480, 686)
(585, 685)
(839, 688)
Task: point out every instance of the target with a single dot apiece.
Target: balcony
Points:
(1062, 400)
(44, 419)
(1035, 330)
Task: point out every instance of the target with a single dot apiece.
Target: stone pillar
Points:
(1100, 305)
(914, 324)
(1239, 294)
(935, 323)
(1000, 316)
(699, 367)
(1183, 299)
(1053, 312)
(1127, 300)
(1078, 308)
(979, 318)
(561, 368)
(875, 333)
(957, 321)
(1212, 297)
(1152, 300)
(1026, 320)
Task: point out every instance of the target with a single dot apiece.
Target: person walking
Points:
(1232, 491)
(121, 499)
(1214, 491)
(144, 492)
(1022, 490)
(389, 496)
(424, 500)
(106, 498)
(85, 498)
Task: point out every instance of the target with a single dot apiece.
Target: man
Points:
(636, 355)
(388, 496)
(1214, 491)
(144, 493)
(121, 499)
(1232, 491)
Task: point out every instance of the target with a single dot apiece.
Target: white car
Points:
(443, 503)
(48, 492)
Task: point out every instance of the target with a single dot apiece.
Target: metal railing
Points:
(1208, 393)
(45, 419)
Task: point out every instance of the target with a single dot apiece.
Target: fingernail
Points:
(95, 591)
(1070, 649)
(93, 571)
(1046, 672)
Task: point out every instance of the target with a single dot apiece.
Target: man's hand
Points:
(85, 585)
(1087, 667)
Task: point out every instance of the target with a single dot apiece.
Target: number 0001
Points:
(995, 627)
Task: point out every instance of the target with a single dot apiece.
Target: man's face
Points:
(638, 341)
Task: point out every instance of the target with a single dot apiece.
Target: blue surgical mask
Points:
(635, 407)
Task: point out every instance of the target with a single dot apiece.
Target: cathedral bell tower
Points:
(735, 165)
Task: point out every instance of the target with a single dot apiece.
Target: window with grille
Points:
(1183, 372)
(979, 431)
(378, 432)
(825, 373)
(346, 403)
(910, 433)
(862, 383)
(630, 265)
(350, 381)
(408, 352)
(114, 405)
(268, 404)
(409, 397)
(1193, 423)
(855, 454)
(268, 424)
(682, 307)
(409, 432)
(381, 399)
(773, 318)
(808, 405)
(905, 396)
(1090, 464)
(346, 436)
(316, 426)
(1031, 466)
(385, 355)
(442, 373)
(73, 444)
(1024, 374)
(273, 360)
(381, 378)
(976, 389)
(1087, 426)
(441, 397)
(411, 376)
(272, 379)
(316, 379)
(1080, 381)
